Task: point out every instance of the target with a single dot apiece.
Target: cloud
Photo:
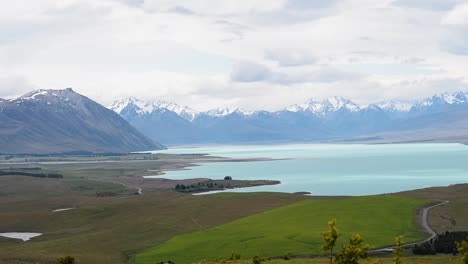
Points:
(197, 50)
(14, 86)
(435, 5)
(290, 57)
(309, 4)
(456, 40)
(457, 16)
(181, 10)
(250, 72)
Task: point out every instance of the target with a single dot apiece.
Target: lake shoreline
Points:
(332, 169)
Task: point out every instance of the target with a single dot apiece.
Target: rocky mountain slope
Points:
(58, 121)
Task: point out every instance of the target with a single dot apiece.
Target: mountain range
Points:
(442, 117)
(61, 121)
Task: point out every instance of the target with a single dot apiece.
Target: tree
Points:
(463, 250)
(66, 260)
(353, 252)
(330, 237)
(398, 251)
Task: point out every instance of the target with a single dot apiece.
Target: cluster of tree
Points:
(105, 194)
(201, 186)
(443, 243)
(29, 174)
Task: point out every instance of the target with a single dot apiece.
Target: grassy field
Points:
(295, 229)
(114, 229)
(441, 259)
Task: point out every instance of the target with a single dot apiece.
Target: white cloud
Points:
(457, 16)
(254, 54)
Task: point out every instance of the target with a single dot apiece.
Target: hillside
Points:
(58, 121)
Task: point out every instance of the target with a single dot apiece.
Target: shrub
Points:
(353, 252)
(257, 260)
(234, 256)
(424, 249)
(66, 260)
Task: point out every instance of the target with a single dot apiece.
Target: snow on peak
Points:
(454, 98)
(328, 105)
(34, 94)
(63, 94)
(394, 106)
(219, 112)
(119, 105)
(444, 98)
(150, 106)
(337, 102)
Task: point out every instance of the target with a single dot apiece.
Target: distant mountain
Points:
(313, 120)
(325, 107)
(140, 107)
(332, 119)
(394, 109)
(58, 121)
(440, 103)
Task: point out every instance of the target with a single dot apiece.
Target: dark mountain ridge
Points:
(57, 121)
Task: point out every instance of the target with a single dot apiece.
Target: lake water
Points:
(335, 169)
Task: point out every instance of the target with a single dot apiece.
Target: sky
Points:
(256, 54)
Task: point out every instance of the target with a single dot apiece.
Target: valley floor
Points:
(117, 225)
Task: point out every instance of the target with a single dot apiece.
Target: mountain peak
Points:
(443, 99)
(48, 96)
(394, 106)
(219, 112)
(54, 121)
(147, 107)
(321, 108)
(338, 102)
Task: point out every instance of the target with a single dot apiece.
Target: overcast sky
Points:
(256, 54)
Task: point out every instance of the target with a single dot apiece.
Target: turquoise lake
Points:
(335, 169)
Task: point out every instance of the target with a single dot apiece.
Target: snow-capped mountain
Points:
(395, 106)
(395, 109)
(220, 112)
(225, 111)
(440, 102)
(47, 96)
(322, 108)
(334, 117)
(141, 107)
